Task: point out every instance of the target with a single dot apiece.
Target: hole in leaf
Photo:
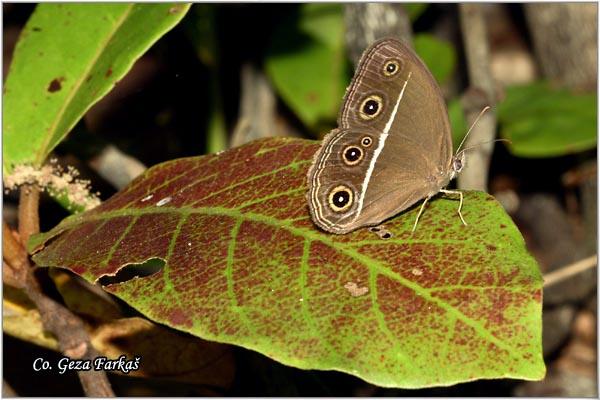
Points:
(386, 235)
(375, 229)
(130, 271)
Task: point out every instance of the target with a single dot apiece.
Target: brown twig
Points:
(367, 22)
(7, 390)
(257, 107)
(565, 40)
(481, 94)
(69, 329)
(29, 221)
(570, 270)
(14, 271)
(116, 167)
(74, 342)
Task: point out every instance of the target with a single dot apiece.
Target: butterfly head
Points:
(458, 163)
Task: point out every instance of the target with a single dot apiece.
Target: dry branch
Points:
(367, 22)
(565, 39)
(29, 221)
(570, 270)
(74, 341)
(481, 94)
(257, 107)
(69, 329)
(116, 167)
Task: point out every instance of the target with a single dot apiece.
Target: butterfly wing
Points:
(393, 99)
(336, 176)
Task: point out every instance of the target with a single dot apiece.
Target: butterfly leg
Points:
(420, 212)
(460, 194)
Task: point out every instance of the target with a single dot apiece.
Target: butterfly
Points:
(392, 146)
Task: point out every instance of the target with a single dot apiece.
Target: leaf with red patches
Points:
(244, 264)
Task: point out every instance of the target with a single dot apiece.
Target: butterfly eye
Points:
(391, 67)
(459, 163)
(370, 107)
(366, 141)
(340, 198)
(352, 155)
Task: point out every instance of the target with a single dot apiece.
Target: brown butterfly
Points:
(392, 147)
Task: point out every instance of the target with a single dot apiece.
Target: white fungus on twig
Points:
(55, 180)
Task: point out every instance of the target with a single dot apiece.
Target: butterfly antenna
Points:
(471, 128)
(488, 141)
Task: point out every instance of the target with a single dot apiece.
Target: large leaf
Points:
(68, 57)
(307, 64)
(541, 121)
(244, 264)
(438, 55)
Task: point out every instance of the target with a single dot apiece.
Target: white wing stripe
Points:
(378, 150)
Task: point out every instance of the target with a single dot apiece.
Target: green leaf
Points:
(201, 29)
(67, 58)
(307, 64)
(415, 10)
(541, 121)
(245, 265)
(457, 121)
(217, 138)
(438, 55)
